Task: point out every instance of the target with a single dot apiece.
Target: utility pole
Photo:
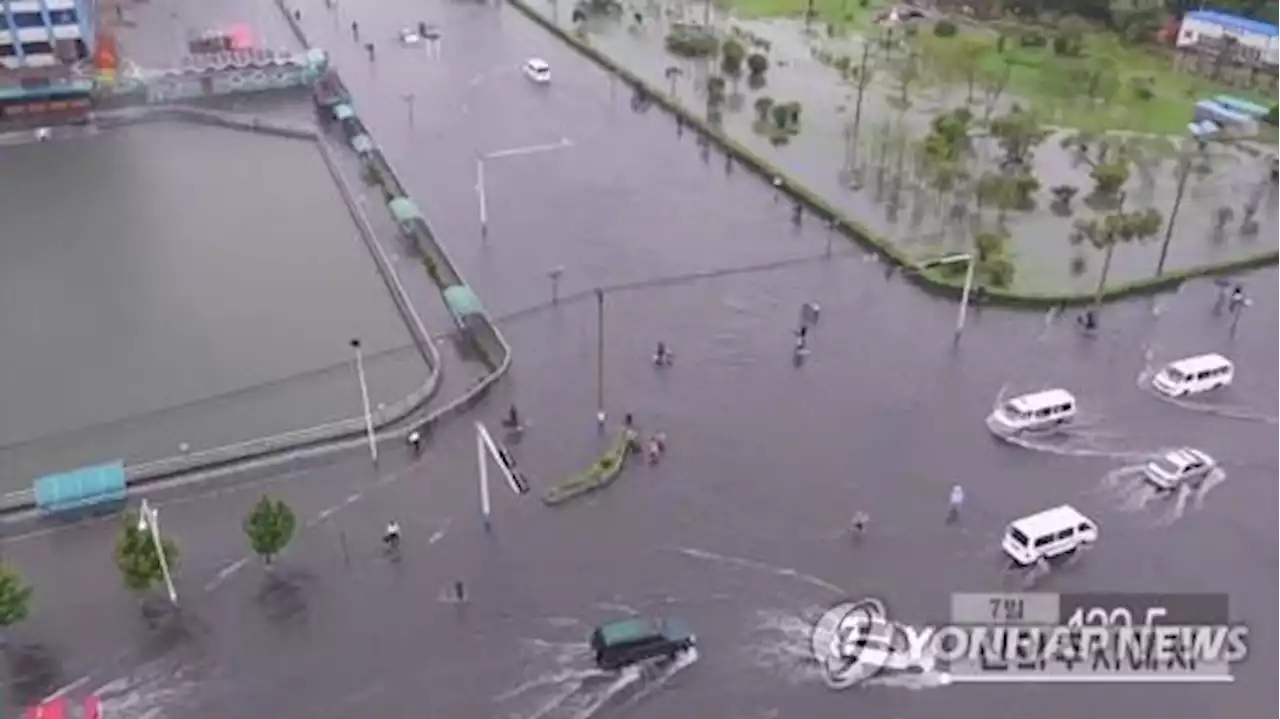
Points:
(600, 415)
(1184, 172)
(408, 100)
(554, 273)
(480, 192)
(364, 397)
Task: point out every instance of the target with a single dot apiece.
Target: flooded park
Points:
(865, 110)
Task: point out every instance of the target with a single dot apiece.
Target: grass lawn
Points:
(841, 13)
(1052, 84)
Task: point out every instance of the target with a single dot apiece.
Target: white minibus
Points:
(1036, 411)
(1194, 375)
(1048, 534)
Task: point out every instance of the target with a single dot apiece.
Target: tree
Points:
(757, 64)
(136, 555)
(672, 73)
(270, 527)
(1018, 133)
(763, 104)
(1109, 177)
(966, 61)
(994, 83)
(732, 55)
(1116, 229)
(15, 597)
(1062, 197)
(863, 78)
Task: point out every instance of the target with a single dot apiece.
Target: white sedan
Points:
(538, 70)
(1179, 467)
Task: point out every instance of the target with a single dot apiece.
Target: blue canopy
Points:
(462, 301)
(80, 488)
(362, 143)
(403, 209)
(343, 112)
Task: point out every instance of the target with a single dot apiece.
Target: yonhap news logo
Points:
(855, 641)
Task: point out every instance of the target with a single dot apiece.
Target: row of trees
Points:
(269, 527)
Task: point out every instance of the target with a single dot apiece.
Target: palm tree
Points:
(672, 73)
(1121, 227)
(1184, 173)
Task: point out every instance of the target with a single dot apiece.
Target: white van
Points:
(1048, 534)
(1036, 411)
(1194, 375)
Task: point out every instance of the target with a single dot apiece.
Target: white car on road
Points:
(538, 70)
(1179, 467)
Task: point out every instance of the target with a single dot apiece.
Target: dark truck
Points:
(628, 641)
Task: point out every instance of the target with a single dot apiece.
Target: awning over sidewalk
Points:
(462, 301)
(403, 209)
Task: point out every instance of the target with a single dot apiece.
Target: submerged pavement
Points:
(740, 530)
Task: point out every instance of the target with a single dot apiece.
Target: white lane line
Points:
(225, 573)
(67, 689)
(530, 149)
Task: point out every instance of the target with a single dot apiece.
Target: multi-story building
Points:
(46, 58)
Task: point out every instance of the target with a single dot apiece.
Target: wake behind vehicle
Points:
(628, 641)
(1048, 534)
(1178, 467)
(1037, 411)
(1194, 375)
(537, 70)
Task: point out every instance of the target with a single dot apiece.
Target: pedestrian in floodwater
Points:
(415, 441)
(355, 30)
(513, 418)
(422, 28)
(956, 502)
(369, 46)
(858, 524)
(628, 421)
(1237, 298)
(662, 356)
(797, 213)
(459, 591)
(1088, 320)
(297, 15)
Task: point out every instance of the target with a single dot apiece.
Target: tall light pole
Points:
(480, 197)
(600, 415)
(149, 521)
(364, 398)
(554, 273)
(972, 259)
(408, 100)
(487, 449)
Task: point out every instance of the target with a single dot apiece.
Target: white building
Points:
(1258, 41)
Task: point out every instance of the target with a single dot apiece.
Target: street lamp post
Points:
(600, 415)
(149, 521)
(971, 258)
(554, 273)
(364, 398)
(480, 196)
(408, 100)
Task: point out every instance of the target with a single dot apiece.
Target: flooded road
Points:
(740, 529)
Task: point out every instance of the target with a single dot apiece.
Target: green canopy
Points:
(462, 301)
(343, 112)
(403, 209)
(362, 143)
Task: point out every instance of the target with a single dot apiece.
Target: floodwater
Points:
(741, 528)
(158, 298)
(817, 156)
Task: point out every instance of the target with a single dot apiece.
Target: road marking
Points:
(530, 149)
(66, 689)
(225, 573)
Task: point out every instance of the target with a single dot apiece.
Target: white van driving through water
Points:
(1048, 534)
(1036, 411)
(1194, 375)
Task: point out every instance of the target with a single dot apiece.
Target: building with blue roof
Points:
(1257, 42)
